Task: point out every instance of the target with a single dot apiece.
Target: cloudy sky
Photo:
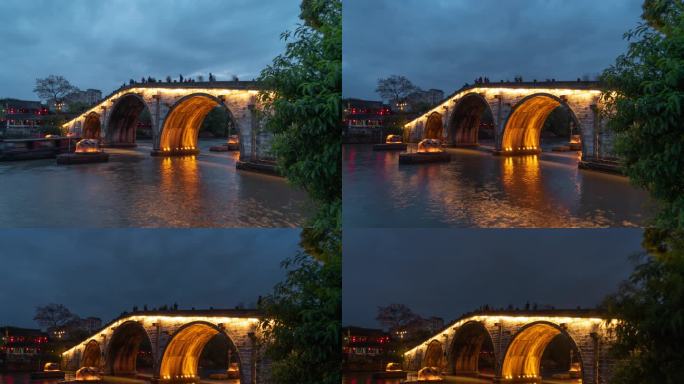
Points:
(104, 272)
(446, 272)
(101, 44)
(446, 43)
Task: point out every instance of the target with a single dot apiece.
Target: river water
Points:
(477, 189)
(366, 378)
(135, 189)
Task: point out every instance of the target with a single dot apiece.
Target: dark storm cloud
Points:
(445, 43)
(446, 272)
(101, 44)
(102, 273)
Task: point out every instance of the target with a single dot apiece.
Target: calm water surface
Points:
(477, 189)
(365, 378)
(135, 189)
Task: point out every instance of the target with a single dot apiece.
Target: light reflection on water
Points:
(477, 189)
(367, 378)
(135, 189)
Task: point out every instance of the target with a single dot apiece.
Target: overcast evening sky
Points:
(445, 43)
(447, 272)
(105, 272)
(101, 44)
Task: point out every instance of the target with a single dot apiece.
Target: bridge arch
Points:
(433, 126)
(123, 119)
(181, 355)
(523, 356)
(522, 129)
(92, 128)
(92, 355)
(472, 350)
(464, 123)
(182, 124)
(124, 347)
(433, 355)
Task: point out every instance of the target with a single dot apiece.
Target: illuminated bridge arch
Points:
(123, 120)
(92, 355)
(125, 343)
(180, 358)
(470, 342)
(181, 127)
(433, 355)
(92, 127)
(176, 112)
(510, 346)
(168, 345)
(518, 112)
(522, 131)
(433, 126)
(523, 357)
(464, 123)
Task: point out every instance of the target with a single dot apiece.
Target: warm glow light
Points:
(523, 357)
(429, 374)
(391, 139)
(393, 367)
(87, 146)
(88, 374)
(524, 125)
(584, 322)
(429, 145)
(51, 367)
(573, 95)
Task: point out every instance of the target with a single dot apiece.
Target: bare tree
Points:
(395, 316)
(395, 88)
(53, 315)
(54, 88)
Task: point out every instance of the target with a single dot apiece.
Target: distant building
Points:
(20, 347)
(420, 100)
(21, 118)
(364, 120)
(88, 97)
(76, 328)
(364, 349)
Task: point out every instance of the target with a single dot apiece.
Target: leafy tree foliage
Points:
(53, 87)
(650, 306)
(395, 88)
(303, 103)
(302, 333)
(645, 103)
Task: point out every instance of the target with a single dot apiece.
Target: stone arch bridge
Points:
(518, 111)
(176, 111)
(177, 339)
(517, 340)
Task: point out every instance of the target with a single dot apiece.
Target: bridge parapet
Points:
(517, 339)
